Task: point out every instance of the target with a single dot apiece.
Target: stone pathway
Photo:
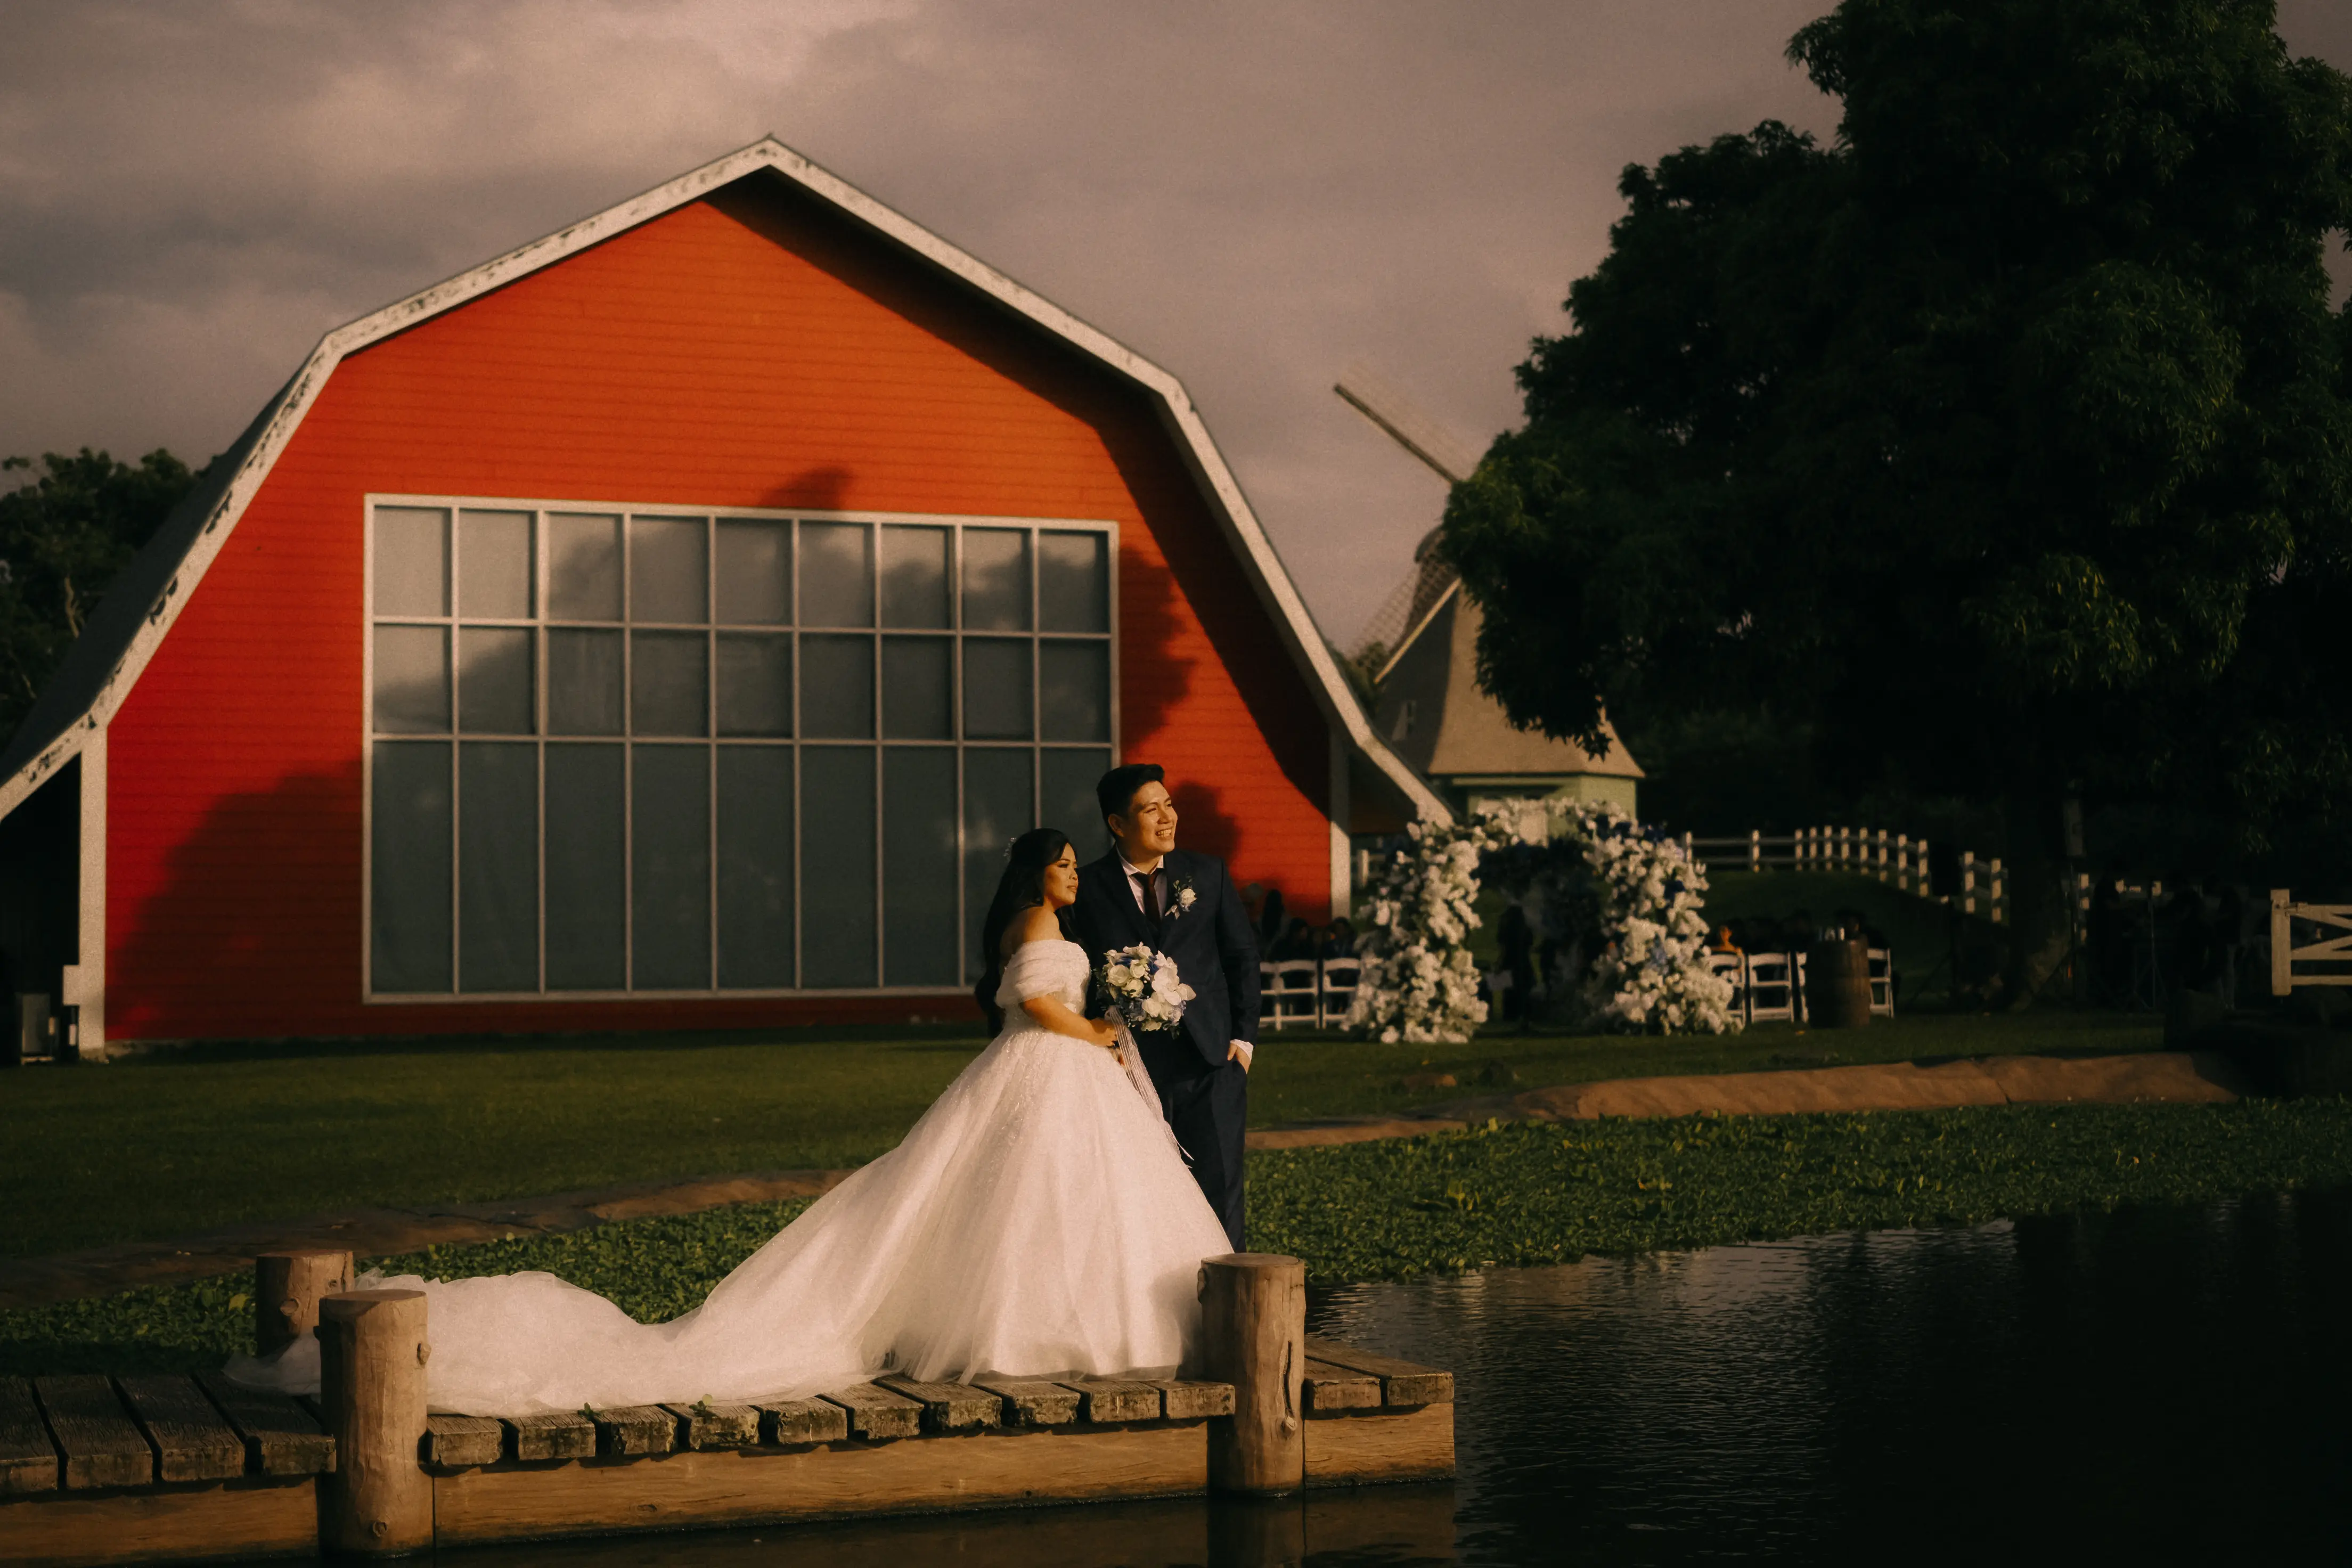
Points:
(2164, 1076)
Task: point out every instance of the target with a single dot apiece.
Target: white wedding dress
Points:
(1037, 1219)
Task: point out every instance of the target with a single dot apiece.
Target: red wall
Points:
(754, 349)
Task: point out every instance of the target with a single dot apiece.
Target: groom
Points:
(1148, 890)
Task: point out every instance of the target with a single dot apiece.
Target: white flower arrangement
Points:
(1419, 984)
(1145, 987)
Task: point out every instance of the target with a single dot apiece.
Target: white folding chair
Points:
(1881, 981)
(1286, 993)
(1339, 991)
(1772, 982)
(1732, 966)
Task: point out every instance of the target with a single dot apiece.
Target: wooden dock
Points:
(97, 1470)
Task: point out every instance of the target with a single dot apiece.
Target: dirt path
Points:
(2165, 1076)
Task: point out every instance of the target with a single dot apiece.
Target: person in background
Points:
(1275, 929)
(1723, 940)
(1338, 939)
(1516, 939)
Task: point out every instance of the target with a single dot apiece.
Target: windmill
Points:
(1419, 652)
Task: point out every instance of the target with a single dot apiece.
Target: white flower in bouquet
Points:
(1145, 987)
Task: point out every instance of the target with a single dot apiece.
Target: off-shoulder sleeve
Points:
(1042, 969)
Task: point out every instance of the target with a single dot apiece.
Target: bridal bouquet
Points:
(1144, 987)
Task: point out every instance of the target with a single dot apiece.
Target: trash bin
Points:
(1837, 983)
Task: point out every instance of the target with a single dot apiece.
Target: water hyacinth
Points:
(1419, 984)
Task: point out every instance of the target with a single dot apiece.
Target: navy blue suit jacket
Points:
(1212, 944)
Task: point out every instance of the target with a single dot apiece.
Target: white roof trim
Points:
(1271, 583)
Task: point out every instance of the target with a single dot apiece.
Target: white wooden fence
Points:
(2333, 950)
(1892, 858)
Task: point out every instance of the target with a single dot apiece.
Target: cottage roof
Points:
(138, 610)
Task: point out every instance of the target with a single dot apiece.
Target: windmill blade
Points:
(1405, 422)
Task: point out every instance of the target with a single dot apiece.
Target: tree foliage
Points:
(2003, 447)
(63, 536)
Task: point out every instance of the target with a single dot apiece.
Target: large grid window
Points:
(615, 750)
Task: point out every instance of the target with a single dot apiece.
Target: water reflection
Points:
(2153, 1383)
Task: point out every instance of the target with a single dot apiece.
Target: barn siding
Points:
(754, 349)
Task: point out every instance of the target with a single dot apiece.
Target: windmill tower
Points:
(1421, 650)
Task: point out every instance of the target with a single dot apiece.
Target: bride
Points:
(1038, 1218)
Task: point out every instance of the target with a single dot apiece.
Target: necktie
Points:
(1148, 883)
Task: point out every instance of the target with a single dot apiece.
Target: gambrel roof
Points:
(138, 609)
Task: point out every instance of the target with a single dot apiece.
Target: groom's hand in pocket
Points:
(1240, 1052)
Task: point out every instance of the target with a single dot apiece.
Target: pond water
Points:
(2162, 1383)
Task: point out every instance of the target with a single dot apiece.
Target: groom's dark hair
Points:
(1116, 791)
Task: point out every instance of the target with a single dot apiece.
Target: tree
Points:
(2002, 447)
(63, 536)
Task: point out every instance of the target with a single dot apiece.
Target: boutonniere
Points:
(1180, 896)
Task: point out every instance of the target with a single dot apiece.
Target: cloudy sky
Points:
(1254, 194)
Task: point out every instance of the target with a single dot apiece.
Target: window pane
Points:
(494, 684)
(996, 580)
(837, 688)
(409, 881)
(587, 881)
(1074, 691)
(838, 866)
(670, 866)
(583, 567)
(1073, 581)
(998, 803)
(668, 683)
(754, 580)
(670, 573)
(1067, 783)
(755, 867)
(412, 679)
(411, 561)
(915, 689)
(583, 682)
(498, 867)
(915, 578)
(919, 866)
(755, 685)
(995, 689)
(837, 574)
(494, 565)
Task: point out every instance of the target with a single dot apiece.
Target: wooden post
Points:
(1756, 850)
(2282, 946)
(1903, 863)
(371, 1354)
(1967, 882)
(1999, 899)
(287, 1288)
(1253, 1330)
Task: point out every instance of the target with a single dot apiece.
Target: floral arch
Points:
(1629, 891)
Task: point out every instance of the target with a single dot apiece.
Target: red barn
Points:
(665, 624)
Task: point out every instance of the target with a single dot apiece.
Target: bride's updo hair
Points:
(1022, 887)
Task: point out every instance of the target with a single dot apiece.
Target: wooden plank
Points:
(791, 1423)
(1402, 1382)
(993, 1467)
(28, 1460)
(1103, 1400)
(102, 1445)
(949, 1406)
(1033, 1402)
(565, 1435)
(1330, 1388)
(281, 1438)
(635, 1431)
(1414, 1444)
(457, 1441)
(708, 1425)
(1183, 1400)
(192, 1441)
(255, 1517)
(877, 1414)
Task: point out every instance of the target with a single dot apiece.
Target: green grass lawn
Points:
(170, 1143)
(1513, 1194)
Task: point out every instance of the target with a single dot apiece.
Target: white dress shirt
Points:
(1134, 875)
